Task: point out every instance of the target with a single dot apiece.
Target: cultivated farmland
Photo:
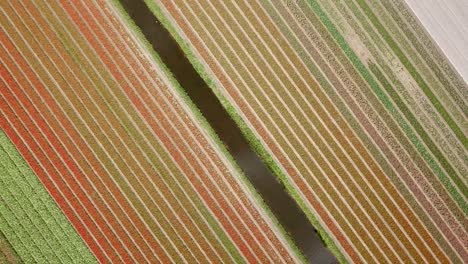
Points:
(112, 137)
(355, 110)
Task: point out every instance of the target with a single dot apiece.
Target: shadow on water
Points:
(281, 204)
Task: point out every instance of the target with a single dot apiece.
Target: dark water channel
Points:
(274, 194)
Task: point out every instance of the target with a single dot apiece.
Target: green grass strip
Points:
(361, 68)
(247, 132)
(231, 248)
(204, 123)
(412, 70)
(30, 220)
